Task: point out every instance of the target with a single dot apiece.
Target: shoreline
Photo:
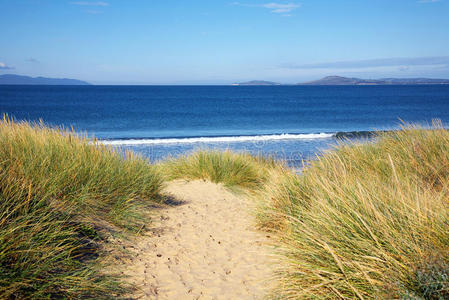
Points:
(130, 141)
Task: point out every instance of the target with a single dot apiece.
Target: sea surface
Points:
(287, 122)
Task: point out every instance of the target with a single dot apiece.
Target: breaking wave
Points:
(218, 139)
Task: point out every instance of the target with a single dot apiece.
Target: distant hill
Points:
(415, 81)
(338, 80)
(18, 79)
(257, 82)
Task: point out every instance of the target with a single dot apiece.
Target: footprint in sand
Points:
(210, 252)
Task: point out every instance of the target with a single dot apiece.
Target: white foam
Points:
(219, 139)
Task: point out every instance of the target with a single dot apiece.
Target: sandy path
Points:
(204, 248)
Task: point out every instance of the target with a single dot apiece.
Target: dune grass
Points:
(233, 170)
(365, 221)
(56, 192)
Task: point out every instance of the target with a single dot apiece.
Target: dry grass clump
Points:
(56, 189)
(239, 170)
(366, 221)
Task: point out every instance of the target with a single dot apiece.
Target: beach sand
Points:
(204, 246)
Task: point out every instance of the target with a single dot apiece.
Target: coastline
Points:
(129, 141)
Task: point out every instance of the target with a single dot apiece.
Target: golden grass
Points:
(366, 221)
(56, 189)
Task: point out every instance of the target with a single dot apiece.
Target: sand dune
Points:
(202, 247)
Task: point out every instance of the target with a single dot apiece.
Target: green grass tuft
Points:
(234, 170)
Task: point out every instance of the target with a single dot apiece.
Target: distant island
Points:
(338, 80)
(257, 82)
(26, 80)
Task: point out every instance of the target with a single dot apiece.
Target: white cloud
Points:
(375, 63)
(274, 7)
(279, 8)
(90, 3)
(3, 66)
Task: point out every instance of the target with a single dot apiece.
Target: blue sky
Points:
(216, 41)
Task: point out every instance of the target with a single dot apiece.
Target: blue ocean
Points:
(287, 122)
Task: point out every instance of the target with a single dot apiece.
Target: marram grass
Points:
(365, 221)
(234, 170)
(56, 191)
